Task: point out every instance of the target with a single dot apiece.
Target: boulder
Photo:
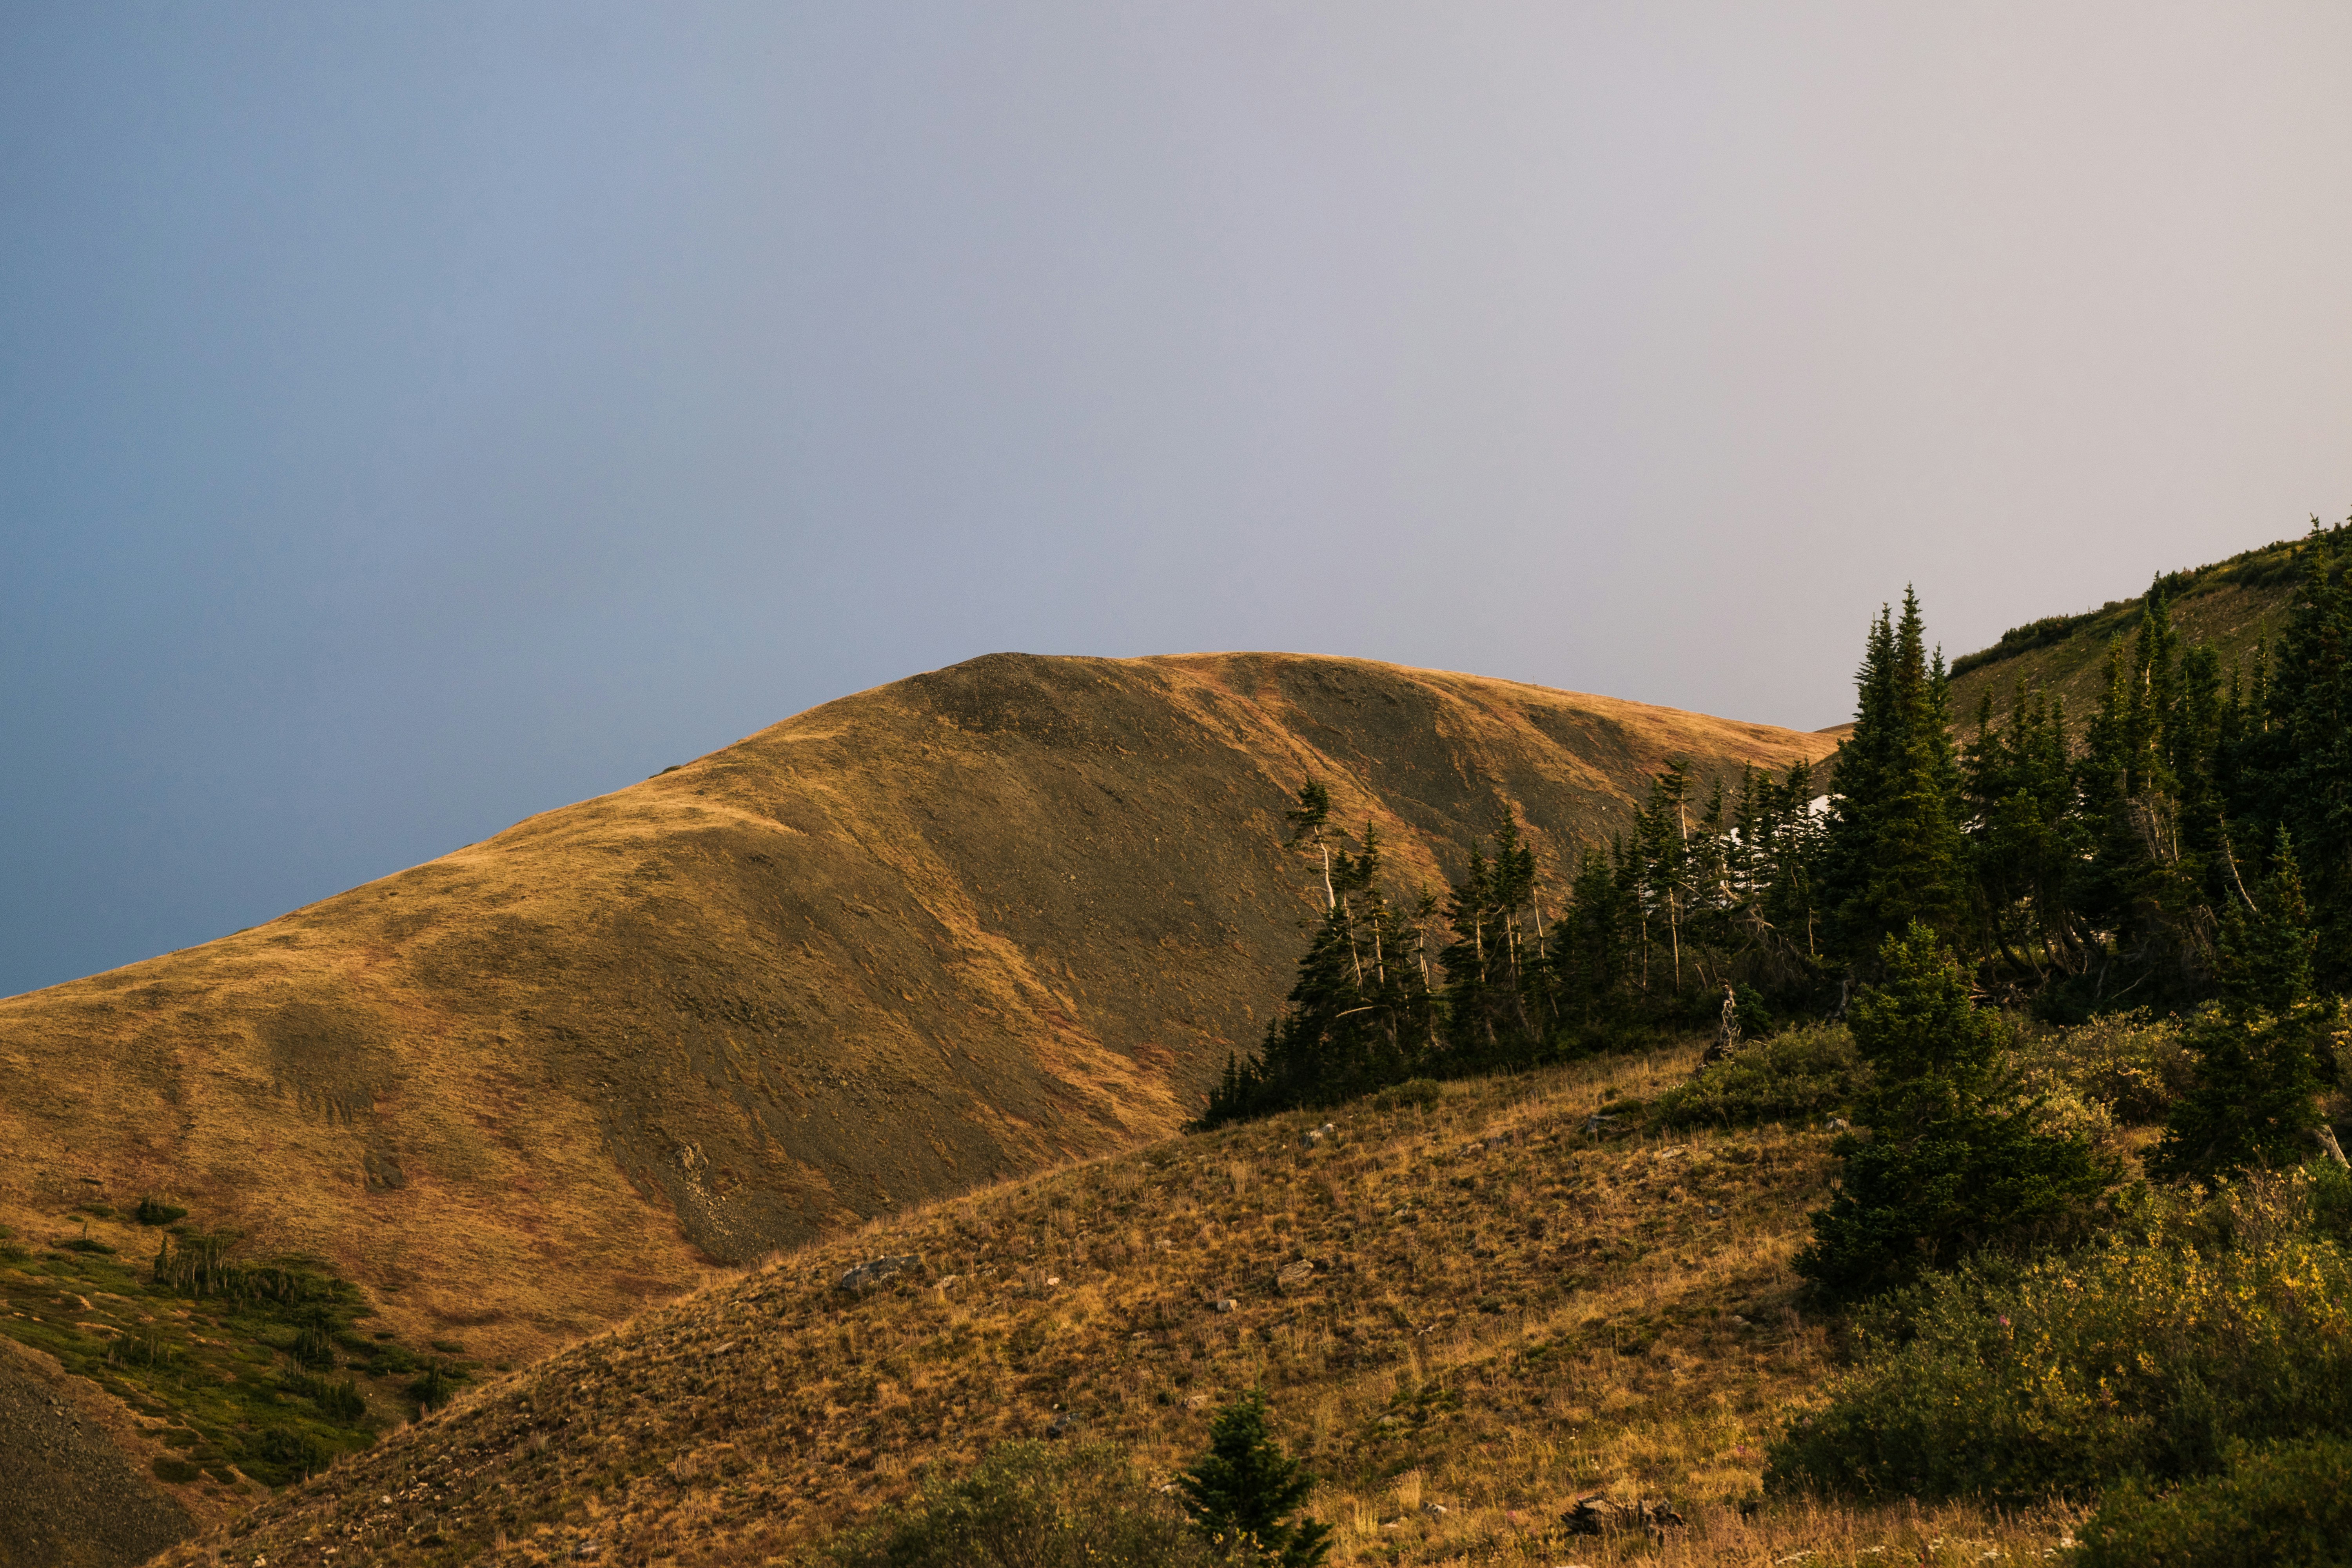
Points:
(866, 1276)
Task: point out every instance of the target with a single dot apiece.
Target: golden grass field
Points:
(1505, 1312)
(969, 925)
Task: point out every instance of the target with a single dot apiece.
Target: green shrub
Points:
(2136, 1064)
(1803, 1072)
(2190, 1328)
(2284, 1506)
(155, 1211)
(1414, 1092)
(1034, 1507)
(433, 1390)
(282, 1456)
(178, 1472)
(341, 1402)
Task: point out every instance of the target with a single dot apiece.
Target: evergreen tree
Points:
(1245, 1488)
(1948, 1157)
(2026, 841)
(2263, 1050)
(2289, 759)
(1895, 854)
(1359, 1013)
(1498, 1003)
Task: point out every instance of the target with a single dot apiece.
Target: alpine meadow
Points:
(1250, 1109)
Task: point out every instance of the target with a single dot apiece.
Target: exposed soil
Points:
(69, 1495)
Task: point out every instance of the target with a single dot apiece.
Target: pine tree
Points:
(2263, 1050)
(2289, 760)
(1894, 853)
(1244, 1490)
(1949, 1158)
(2026, 842)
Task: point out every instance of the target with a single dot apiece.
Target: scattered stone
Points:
(1228, 1304)
(1715, 1211)
(866, 1276)
(1053, 1279)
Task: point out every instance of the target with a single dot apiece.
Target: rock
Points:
(1062, 1426)
(1314, 1136)
(1598, 1121)
(1598, 1514)
(866, 1276)
(1228, 1304)
(1291, 1275)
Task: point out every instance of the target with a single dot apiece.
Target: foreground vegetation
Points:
(1523, 1291)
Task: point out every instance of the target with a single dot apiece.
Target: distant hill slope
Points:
(2232, 604)
(956, 927)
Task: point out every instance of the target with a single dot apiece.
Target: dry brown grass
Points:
(975, 923)
(1505, 1314)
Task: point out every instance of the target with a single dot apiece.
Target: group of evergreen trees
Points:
(2200, 813)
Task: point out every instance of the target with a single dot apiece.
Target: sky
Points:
(415, 417)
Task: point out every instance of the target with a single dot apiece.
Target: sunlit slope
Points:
(1468, 1310)
(2232, 604)
(926, 936)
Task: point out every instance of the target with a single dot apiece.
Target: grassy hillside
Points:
(2232, 604)
(971, 924)
(1504, 1311)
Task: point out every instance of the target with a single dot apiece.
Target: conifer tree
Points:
(2026, 842)
(1948, 1157)
(1244, 1491)
(1895, 854)
(2290, 757)
(2263, 1049)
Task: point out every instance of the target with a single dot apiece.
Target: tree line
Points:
(2194, 830)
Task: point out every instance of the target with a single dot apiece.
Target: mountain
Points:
(969, 925)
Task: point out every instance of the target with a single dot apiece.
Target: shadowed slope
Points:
(945, 931)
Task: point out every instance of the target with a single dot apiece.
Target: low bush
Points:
(155, 1211)
(1412, 1091)
(1804, 1072)
(1031, 1506)
(2282, 1506)
(2134, 1064)
(2192, 1327)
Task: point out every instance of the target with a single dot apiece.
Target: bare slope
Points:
(942, 932)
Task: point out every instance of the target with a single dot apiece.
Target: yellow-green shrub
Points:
(2193, 1327)
(1799, 1073)
(2285, 1505)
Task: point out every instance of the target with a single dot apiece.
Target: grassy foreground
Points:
(1504, 1311)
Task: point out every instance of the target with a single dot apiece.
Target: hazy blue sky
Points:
(415, 416)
